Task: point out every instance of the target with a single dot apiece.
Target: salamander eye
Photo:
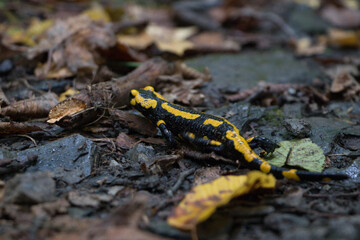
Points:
(149, 88)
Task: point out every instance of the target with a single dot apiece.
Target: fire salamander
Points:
(210, 133)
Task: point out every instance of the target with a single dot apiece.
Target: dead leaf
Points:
(28, 37)
(304, 47)
(341, 17)
(185, 92)
(72, 44)
(17, 128)
(66, 108)
(344, 38)
(97, 12)
(137, 123)
(124, 141)
(202, 200)
(30, 108)
(214, 42)
(165, 38)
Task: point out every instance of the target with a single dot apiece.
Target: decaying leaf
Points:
(137, 123)
(17, 128)
(214, 42)
(299, 153)
(304, 47)
(30, 108)
(202, 200)
(341, 17)
(28, 37)
(166, 39)
(185, 92)
(66, 108)
(344, 38)
(124, 141)
(72, 44)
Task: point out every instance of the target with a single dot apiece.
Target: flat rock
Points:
(30, 188)
(71, 159)
(246, 69)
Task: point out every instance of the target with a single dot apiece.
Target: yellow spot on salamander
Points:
(216, 143)
(191, 135)
(291, 174)
(134, 93)
(205, 137)
(149, 88)
(326, 179)
(249, 139)
(144, 102)
(213, 122)
(160, 122)
(241, 145)
(265, 167)
(178, 112)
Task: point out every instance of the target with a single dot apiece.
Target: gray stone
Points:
(30, 188)
(71, 159)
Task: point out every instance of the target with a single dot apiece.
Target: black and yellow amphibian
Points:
(210, 133)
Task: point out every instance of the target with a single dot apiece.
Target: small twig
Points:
(205, 156)
(181, 179)
(288, 156)
(353, 194)
(27, 136)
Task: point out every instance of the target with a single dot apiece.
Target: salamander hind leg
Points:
(203, 142)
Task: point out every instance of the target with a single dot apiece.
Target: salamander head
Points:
(145, 98)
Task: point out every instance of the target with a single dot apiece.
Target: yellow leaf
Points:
(97, 13)
(166, 39)
(202, 200)
(344, 38)
(175, 47)
(37, 27)
(304, 47)
(68, 93)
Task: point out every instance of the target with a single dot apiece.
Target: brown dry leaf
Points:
(17, 128)
(122, 52)
(31, 108)
(72, 44)
(2, 190)
(341, 17)
(165, 38)
(214, 42)
(124, 141)
(151, 140)
(346, 84)
(3, 99)
(135, 122)
(201, 202)
(344, 38)
(304, 47)
(186, 92)
(66, 108)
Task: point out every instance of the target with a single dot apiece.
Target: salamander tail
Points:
(295, 174)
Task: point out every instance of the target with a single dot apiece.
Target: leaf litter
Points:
(100, 51)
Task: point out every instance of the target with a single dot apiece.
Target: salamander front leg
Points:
(265, 144)
(166, 133)
(204, 143)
